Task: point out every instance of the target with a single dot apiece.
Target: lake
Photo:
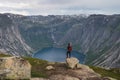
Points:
(57, 55)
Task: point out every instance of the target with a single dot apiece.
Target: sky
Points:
(60, 7)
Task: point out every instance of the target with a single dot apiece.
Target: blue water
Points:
(57, 55)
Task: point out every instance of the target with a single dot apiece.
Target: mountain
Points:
(97, 36)
(10, 38)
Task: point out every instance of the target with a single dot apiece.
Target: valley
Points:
(97, 36)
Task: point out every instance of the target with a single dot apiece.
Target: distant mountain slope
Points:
(44, 31)
(10, 38)
(98, 36)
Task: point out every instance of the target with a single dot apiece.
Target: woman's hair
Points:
(69, 44)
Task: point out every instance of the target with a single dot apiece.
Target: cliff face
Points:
(96, 35)
(11, 40)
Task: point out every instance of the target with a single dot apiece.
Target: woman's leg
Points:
(67, 54)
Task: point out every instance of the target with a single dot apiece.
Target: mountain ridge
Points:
(96, 35)
(10, 40)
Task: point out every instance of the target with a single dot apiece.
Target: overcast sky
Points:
(60, 7)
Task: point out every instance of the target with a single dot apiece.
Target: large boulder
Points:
(72, 62)
(14, 68)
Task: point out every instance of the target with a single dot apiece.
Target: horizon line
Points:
(86, 14)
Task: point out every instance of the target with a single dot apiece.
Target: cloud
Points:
(14, 5)
(15, 12)
(44, 7)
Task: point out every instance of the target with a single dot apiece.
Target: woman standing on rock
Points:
(69, 49)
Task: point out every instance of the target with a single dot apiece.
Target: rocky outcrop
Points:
(75, 72)
(80, 70)
(84, 67)
(14, 68)
(62, 72)
(72, 62)
(63, 77)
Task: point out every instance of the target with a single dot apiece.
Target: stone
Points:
(109, 78)
(84, 72)
(72, 62)
(62, 77)
(14, 68)
(50, 68)
(84, 67)
(39, 79)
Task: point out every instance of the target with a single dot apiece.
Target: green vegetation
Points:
(3, 55)
(38, 67)
(114, 73)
